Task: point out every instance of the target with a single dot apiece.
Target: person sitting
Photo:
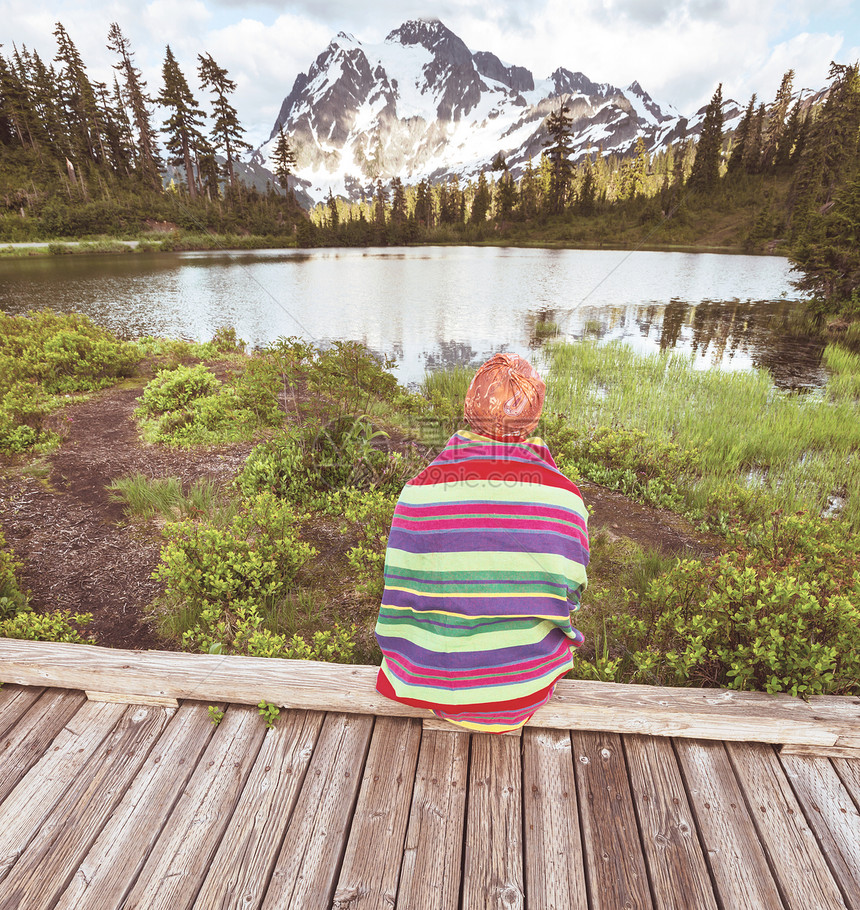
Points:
(486, 559)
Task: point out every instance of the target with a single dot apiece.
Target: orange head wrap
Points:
(505, 398)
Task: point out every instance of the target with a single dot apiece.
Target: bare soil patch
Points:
(80, 553)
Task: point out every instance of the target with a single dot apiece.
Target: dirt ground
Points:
(80, 554)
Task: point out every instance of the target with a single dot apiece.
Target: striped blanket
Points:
(485, 562)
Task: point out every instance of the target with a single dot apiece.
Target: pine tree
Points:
(398, 203)
(481, 201)
(146, 150)
(283, 158)
(379, 204)
(737, 158)
(639, 170)
(706, 166)
(585, 198)
(558, 149)
(184, 135)
(753, 151)
(77, 99)
(226, 132)
(788, 140)
(333, 214)
(423, 211)
(776, 123)
(505, 197)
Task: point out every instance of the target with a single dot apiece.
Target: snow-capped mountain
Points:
(422, 104)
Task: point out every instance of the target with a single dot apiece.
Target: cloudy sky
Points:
(678, 49)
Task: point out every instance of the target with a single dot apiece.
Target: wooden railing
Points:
(822, 725)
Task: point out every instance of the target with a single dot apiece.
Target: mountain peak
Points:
(435, 36)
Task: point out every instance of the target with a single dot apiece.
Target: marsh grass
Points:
(797, 451)
(150, 497)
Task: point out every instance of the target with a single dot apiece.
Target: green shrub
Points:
(310, 462)
(12, 599)
(368, 514)
(174, 390)
(779, 612)
(59, 625)
(215, 577)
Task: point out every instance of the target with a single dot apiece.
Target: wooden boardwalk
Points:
(114, 805)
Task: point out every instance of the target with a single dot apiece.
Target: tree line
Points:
(72, 148)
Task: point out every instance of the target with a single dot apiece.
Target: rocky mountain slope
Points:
(423, 105)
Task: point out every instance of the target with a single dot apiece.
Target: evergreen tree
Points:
(146, 151)
(558, 149)
(791, 135)
(423, 211)
(639, 170)
(398, 203)
(706, 166)
(828, 255)
(77, 100)
(505, 197)
(753, 151)
(184, 136)
(379, 204)
(226, 131)
(585, 199)
(283, 158)
(530, 200)
(830, 147)
(481, 201)
(333, 215)
(776, 123)
(737, 158)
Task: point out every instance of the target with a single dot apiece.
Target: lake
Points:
(432, 307)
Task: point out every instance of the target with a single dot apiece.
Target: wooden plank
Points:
(244, 862)
(121, 699)
(614, 862)
(430, 874)
(180, 859)
(820, 751)
(374, 851)
(802, 874)
(25, 743)
(309, 861)
(493, 858)
(849, 774)
(845, 710)
(697, 713)
(833, 817)
(438, 723)
(554, 863)
(673, 854)
(49, 862)
(738, 864)
(15, 701)
(31, 801)
(112, 865)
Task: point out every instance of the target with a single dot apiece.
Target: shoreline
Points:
(178, 244)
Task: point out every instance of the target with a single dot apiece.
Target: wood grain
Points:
(430, 873)
(738, 864)
(243, 864)
(308, 864)
(53, 856)
(614, 860)
(24, 744)
(673, 853)
(113, 863)
(493, 860)
(832, 815)
(31, 801)
(181, 857)
(795, 857)
(371, 864)
(554, 864)
(311, 685)
(15, 701)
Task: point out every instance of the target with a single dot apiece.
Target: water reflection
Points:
(434, 307)
(732, 336)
